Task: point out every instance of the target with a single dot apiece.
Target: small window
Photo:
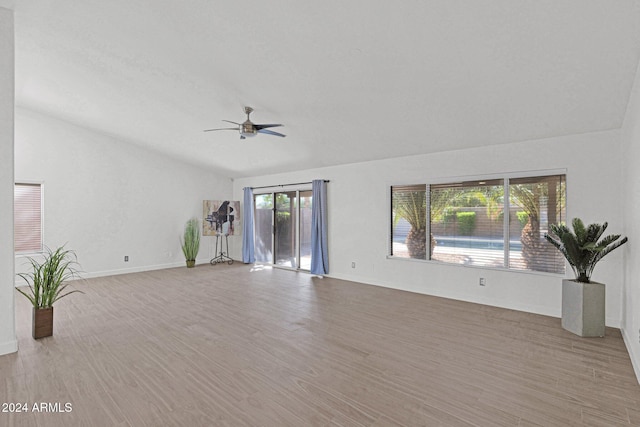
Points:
(27, 217)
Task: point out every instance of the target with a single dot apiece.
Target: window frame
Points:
(29, 252)
(506, 176)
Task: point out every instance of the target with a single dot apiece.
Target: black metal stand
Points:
(221, 256)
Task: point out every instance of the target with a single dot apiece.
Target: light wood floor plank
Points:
(250, 346)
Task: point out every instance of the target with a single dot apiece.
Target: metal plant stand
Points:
(222, 256)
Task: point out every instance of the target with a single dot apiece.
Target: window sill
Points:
(478, 267)
(28, 254)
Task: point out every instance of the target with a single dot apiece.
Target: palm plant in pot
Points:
(191, 241)
(47, 284)
(583, 301)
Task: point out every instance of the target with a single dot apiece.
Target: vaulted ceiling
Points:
(351, 80)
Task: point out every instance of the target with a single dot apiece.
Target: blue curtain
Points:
(319, 252)
(248, 244)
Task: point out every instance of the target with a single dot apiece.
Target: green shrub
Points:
(523, 218)
(448, 215)
(466, 222)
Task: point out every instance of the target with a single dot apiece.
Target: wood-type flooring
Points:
(253, 346)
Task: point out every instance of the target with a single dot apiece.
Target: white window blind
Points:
(540, 201)
(27, 217)
(467, 222)
(409, 221)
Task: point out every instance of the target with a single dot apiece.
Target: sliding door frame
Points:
(297, 226)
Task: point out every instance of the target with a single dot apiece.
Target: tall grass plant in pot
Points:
(191, 241)
(47, 283)
(583, 301)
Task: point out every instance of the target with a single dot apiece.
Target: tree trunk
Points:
(536, 252)
(417, 243)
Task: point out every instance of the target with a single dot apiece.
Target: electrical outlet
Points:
(482, 281)
(126, 258)
(353, 265)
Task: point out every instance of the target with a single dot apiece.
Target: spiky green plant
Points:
(191, 240)
(582, 248)
(47, 278)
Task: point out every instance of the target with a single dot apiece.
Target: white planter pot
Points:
(583, 308)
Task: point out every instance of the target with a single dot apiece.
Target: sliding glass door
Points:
(283, 228)
(264, 227)
(305, 229)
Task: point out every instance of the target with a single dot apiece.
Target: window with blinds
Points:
(409, 221)
(487, 223)
(467, 222)
(537, 202)
(27, 217)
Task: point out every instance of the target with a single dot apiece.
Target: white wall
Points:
(106, 198)
(8, 343)
(359, 218)
(631, 208)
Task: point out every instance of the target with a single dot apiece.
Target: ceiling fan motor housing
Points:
(247, 129)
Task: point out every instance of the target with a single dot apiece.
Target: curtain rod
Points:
(285, 185)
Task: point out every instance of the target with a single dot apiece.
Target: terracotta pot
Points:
(42, 322)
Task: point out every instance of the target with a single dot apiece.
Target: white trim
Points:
(480, 267)
(502, 175)
(635, 359)
(140, 269)
(471, 298)
(506, 225)
(8, 347)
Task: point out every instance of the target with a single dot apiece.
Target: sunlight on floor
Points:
(260, 267)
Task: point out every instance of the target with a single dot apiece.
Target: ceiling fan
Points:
(248, 128)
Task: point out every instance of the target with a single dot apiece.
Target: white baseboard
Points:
(635, 358)
(8, 347)
(128, 270)
(474, 299)
(138, 269)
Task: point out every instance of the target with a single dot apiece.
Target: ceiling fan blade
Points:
(265, 126)
(270, 132)
(209, 130)
(229, 121)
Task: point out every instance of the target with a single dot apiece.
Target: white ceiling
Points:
(351, 80)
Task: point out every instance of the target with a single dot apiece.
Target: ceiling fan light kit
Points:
(250, 129)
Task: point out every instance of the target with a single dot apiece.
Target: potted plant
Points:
(47, 283)
(191, 241)
(583, 301)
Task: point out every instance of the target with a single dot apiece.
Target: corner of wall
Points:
(630, 136)
(8, 343)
